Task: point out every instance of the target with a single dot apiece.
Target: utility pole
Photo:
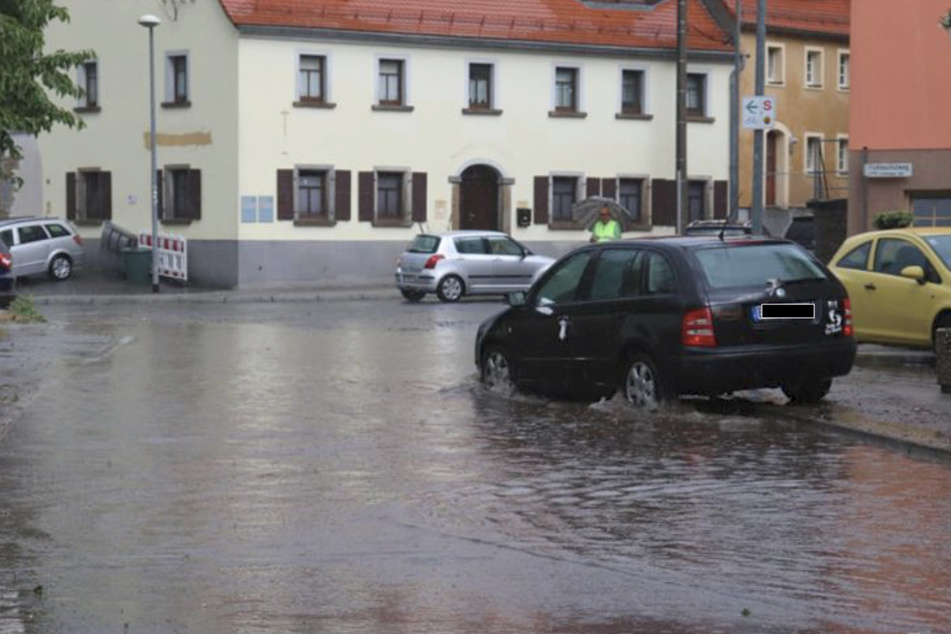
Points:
(735, 115)
(681, 168)
(758, 134)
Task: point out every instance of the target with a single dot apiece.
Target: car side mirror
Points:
(914, 272)
(516, 299)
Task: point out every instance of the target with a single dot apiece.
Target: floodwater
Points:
(337, 467)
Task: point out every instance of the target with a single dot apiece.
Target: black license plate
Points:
(803, 310)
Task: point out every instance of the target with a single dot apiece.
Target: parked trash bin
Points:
(137, 265)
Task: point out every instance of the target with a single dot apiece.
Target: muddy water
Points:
(338, 468)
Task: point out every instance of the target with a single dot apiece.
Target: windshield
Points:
(424, 244)
(756, 264)
(941, 246)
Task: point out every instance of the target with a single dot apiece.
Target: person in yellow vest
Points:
(605, 227)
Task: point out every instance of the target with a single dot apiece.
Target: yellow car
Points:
(899, 283)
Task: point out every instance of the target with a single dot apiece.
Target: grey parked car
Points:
(43, 245)
(466, 263)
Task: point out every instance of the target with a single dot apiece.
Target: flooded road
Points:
(337, 467)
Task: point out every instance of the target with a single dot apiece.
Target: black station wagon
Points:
(661, 317)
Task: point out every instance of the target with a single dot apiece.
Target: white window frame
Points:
(780, 78)
(579, 85)
(170, 75)
(81, 81)
(645, 179)
(843, 85)
(328, 76)
(806, 137)
(407, 192)
(842, 155)
(645, 87)
(816, 81)
(169, 211)
(707, 80)
(407, 98)
(330, 183)
(494, 103)
(580, 193)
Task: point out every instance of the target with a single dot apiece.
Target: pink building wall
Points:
(900, 75)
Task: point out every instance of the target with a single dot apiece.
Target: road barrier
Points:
(172, 254)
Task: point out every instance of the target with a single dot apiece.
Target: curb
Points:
(215, 298)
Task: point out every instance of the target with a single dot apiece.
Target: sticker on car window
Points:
(834, 324)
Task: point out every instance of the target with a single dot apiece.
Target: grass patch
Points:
(23, 310)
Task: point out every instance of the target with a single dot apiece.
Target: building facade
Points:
(312, 141)
(900, 139)
(807, 63)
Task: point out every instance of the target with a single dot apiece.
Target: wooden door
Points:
(479, 199)
(771, 169)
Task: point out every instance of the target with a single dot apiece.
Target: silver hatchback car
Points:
(466, 263)
(43, 245)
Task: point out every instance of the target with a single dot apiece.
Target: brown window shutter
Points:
(105, 185)
(194, 194)
(342, 195)
(159, 194)
(593, 187)
(71, 195)
(719, 199)
(419, 196)
(285, 194)
(541, 200)
(664, 202)
(366, 196)
(609, 188)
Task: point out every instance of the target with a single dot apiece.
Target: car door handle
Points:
(870, 287)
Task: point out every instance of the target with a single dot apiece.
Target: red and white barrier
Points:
(172, 254)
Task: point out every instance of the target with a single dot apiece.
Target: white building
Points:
(312, 140)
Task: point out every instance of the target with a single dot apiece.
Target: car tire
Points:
(642, 386)
(61, 267)
(807, 392)
(943, 321)
(451, 288)
(497, 371)
(411, 295)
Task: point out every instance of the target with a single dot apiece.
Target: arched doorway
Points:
(479, 199)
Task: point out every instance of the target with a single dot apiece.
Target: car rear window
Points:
(57, 231)
(755, 264)
(424, 244)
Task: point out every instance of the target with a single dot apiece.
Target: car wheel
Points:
(411, 295)
(643, 388)
(61, 268)
(497, 370)
(944, 321)
(808, 391)
(450, 288)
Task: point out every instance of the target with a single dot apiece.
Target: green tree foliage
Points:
(29, 75)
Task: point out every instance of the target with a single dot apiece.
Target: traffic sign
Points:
(759, 113)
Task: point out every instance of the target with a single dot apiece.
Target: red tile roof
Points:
(553, 21)
(826, 17)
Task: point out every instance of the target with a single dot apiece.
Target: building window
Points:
(629, 196)
(564, 191)
(566, 89)
(392, 80)
(696, 95)
(814, 69)
(842, 155)
(311, 193)
(813, 154)
(843, 71)
(182, 195)
(932, 210)
(632, 92)
(93, 195)
(312, 78)
(389, 195)
(480, 86)
(176, 80)
(696, 200)
(89, 82)
(774, 64)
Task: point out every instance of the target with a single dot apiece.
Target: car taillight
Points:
(433, 259)
(6, 261)
(78, 239)
(847, 309)
(697, 328)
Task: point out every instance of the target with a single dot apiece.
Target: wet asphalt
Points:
(335, 466)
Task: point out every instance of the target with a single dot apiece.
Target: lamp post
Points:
(150, 22)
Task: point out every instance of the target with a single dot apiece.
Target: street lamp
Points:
(150, 22)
